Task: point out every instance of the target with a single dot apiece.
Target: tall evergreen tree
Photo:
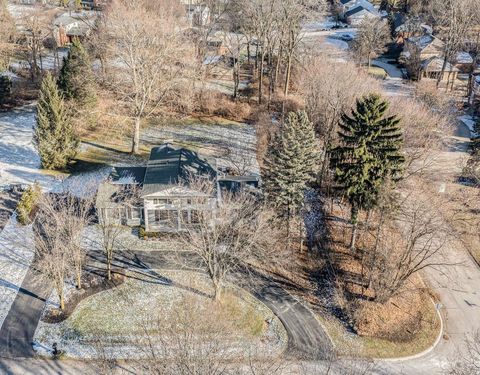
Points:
(369, 153)
(54, 137)
(76, 80)
(290, 164)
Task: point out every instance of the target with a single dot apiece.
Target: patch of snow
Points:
(211, 60)
(10, 75)
(463, 58)
(16, 255)
(326, 24)
(468, 121)
(19, 160)
(337, 43)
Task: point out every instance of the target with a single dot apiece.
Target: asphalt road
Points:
(18, 328)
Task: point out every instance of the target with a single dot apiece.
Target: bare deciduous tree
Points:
(238, 232)
(468, 361)
(454, 19)
(7, 34)
(371, 40)
(37, 28)
(53, 259)
(423, 235)
(148, 50)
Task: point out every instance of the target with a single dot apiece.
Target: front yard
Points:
(152, 306)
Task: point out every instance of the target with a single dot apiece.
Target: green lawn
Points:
(377, 72)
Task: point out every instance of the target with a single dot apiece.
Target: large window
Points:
(194, 217)
(134, 213)
(161, 201)
(163, 216)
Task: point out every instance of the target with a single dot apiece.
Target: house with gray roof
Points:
(164, 200)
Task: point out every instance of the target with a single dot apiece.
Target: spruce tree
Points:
(290, 164)
(54, 137)
(76, 80)
(368, 155)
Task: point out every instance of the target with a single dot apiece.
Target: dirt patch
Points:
(92, 284)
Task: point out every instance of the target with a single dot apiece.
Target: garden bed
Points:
(92, 284)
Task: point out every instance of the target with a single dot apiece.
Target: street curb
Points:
(426, 351)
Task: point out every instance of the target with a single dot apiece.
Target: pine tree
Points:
(368, 155)
(54, 137)
(290, 164)
(76, 80)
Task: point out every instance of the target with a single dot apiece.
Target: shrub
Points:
(142, 234)
(27, 203)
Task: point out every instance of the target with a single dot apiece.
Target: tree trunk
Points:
(79, 279)
(236, 79)
(440, 76)
(301, 235)
(61, 299)
(375, 248)
(277, 67)
(217, 287)
(287, 74)
(354, 221)
(136, 136)
(260, 78)
(109, 267)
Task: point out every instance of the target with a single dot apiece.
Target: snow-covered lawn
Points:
(214, 139)
(156, 303)
(16, 254)
(19, 161)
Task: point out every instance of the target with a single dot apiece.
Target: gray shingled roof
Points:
(169, 165)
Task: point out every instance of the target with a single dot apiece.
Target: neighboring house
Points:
(430, 51)
(71, 25)
(432, 68)
(163, 200)
(409, 28)
(350, 4)
(428, 46)
(463, 61)
(358, 13)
